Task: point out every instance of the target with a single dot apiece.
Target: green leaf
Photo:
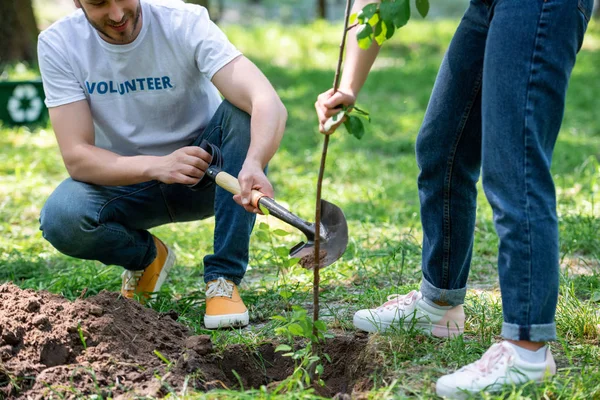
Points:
(263, 226)
(380, 32)
(596, 297)
(278, 317)
(321, 325)
(262, 235)
(296, 329)
(306, 328)
(358, 111)
(388, 10)
(320, 369)
(286, 294)
(353, 18)
(364, 35)
(390, 29)
(263, 209)
(378, 28)
(327, 357)
(292, 261)
(281, 232)
(364, 31)
(355, 126)
(369, 10)
(362, 113)
(423, 7)
(282, 251)
(162, 357)
(283, 347)
(401, 18)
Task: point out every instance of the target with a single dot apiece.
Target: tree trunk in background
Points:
(597, 9)
(18, 31)
(322, 9)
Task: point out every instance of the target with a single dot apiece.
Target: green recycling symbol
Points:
(25, 104)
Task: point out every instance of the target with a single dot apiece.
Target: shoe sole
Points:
(425, 327)
(226, 321)
(447, 392)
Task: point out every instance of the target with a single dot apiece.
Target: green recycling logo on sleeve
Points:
(25, 104)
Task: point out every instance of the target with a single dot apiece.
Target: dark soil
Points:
(42, 352)
(308, 261)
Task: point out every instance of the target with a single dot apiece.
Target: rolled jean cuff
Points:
(532, 333)
(214, 277)
(452, 297)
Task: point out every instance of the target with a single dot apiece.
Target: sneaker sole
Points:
(425, 327)
(447, 392)
(226, 321)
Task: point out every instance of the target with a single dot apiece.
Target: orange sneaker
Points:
(224, 306)
(144, 284)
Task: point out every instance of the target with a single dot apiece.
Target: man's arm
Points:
(245, 86)
(85, 162)
(357, 64)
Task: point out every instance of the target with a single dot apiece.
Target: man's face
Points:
(117, 21)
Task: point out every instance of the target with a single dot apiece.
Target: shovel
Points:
(333, 232)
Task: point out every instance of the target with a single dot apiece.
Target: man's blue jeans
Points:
(110, 223)
(496, 108)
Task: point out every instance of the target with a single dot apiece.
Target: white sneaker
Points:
(411, 309)
(500, 365)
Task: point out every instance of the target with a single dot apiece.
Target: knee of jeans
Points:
(426, 151)
(67, 228)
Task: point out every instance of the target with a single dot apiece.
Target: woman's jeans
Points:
(109, 223)
(496, 108)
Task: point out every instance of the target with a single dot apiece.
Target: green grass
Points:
(374, 181)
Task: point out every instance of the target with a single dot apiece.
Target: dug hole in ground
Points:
(105, 345)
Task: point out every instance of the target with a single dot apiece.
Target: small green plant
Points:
(81, 336)
(309, 367)
(163, 358)
(280, 252)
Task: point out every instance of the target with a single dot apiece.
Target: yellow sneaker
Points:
(143, 284)
(224, 306)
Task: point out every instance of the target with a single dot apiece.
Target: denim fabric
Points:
(110, 223)
(496, 109)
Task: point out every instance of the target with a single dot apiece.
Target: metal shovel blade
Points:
(333, 231)
(334, 238)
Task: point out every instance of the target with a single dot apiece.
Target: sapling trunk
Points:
(317, 262)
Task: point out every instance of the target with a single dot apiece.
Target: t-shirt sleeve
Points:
(60, 85)
(212, 49)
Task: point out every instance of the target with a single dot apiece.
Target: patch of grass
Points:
(374, 181)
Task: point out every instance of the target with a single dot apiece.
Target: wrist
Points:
(348, 90)
(254, 162)
(149, 169)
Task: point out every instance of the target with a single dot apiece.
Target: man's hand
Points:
(252, 177)
(328, 104)
(185, 166)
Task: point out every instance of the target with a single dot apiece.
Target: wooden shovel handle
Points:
(232, 185)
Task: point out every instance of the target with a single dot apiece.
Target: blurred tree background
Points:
(18, 31)
(19, 28)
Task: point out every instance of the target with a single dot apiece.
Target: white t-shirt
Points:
(151, 96)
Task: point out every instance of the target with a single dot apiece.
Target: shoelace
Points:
(400, 301)
(491, 357)
(219, 288)
(132, 278)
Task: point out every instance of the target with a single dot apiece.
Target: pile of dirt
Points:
(113, 347)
